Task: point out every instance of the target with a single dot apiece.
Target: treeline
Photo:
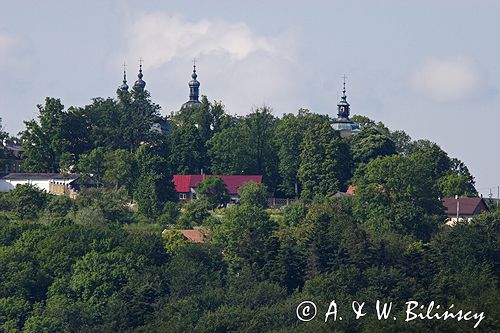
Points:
(124, 142)
(72, 266)
(89, 265)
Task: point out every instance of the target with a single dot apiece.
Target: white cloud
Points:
(236, 65)
(163, 37)
(446, 79)
(7, 44)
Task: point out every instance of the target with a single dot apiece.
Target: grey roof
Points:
(40, 176)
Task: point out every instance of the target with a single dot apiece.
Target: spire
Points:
(140, 84)
(343, 105)
(194, 85)
(194, 90)
(124, 85)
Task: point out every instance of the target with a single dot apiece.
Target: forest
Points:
(100, 263)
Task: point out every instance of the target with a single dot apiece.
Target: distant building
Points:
(192, 235)
(186, 185)
(463, 209)
(343, 123)
(12, 160)
(53, 183)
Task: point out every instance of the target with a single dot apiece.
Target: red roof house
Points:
(185, 185)
(192, 235)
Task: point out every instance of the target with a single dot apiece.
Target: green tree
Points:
(260, 126)
(324, 162)
(28, 201)
(154, 185)
(187, 150)
(402, 141)
(43, 141)
(253, 194)
(248, 237)
(454, 184)
(137, 115)
(96, 276)
(120, 167)
(398, 194)
(289, 135)
(213, 190)
(228, 151)
(370, 143)
(430, 155)
(91, 165)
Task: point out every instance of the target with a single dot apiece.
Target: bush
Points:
(28, 201)
(253, 194)
(169, 215)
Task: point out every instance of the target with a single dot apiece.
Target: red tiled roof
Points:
(351, 189)
(194, 236)
(183, 183)
(467, 206)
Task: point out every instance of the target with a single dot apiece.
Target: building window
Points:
(182, 196)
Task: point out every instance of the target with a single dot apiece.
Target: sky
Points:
(430, 68)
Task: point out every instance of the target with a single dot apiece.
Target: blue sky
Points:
(430, 68)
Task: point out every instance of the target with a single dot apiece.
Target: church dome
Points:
(140, 83)
(194, 91)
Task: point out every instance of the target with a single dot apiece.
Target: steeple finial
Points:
(140, 84)
(194, 84)
(343, 90)
(194, 75)
(124, 85)
(343, 105)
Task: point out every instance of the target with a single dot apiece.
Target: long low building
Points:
(54, 183)
(186, 185)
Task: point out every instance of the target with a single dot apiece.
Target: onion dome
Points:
(124, 85)
(343, 124)
(140, 83)
(194, 90)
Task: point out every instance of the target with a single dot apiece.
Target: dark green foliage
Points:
(228, 151)
(398, 193)
(325, 162)
(289, 136)
(27, 201)
(370, 143)
(212, 190)
(44, 141)
(85, 266)
(187, 150)
(253, 194)
(154, 185)
(194, 213)
(247, 234)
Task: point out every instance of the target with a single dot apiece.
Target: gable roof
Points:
(184, 183)
(466, 206)
(40, 176)
(193, 235)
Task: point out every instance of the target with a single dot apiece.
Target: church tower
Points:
(140, 83)
(343, 123)
(124, 85)
(194, 90)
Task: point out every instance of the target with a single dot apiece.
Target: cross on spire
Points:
(140, 82)
(343, 90)
(124, 71)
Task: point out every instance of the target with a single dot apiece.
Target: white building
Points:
(44, 181)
